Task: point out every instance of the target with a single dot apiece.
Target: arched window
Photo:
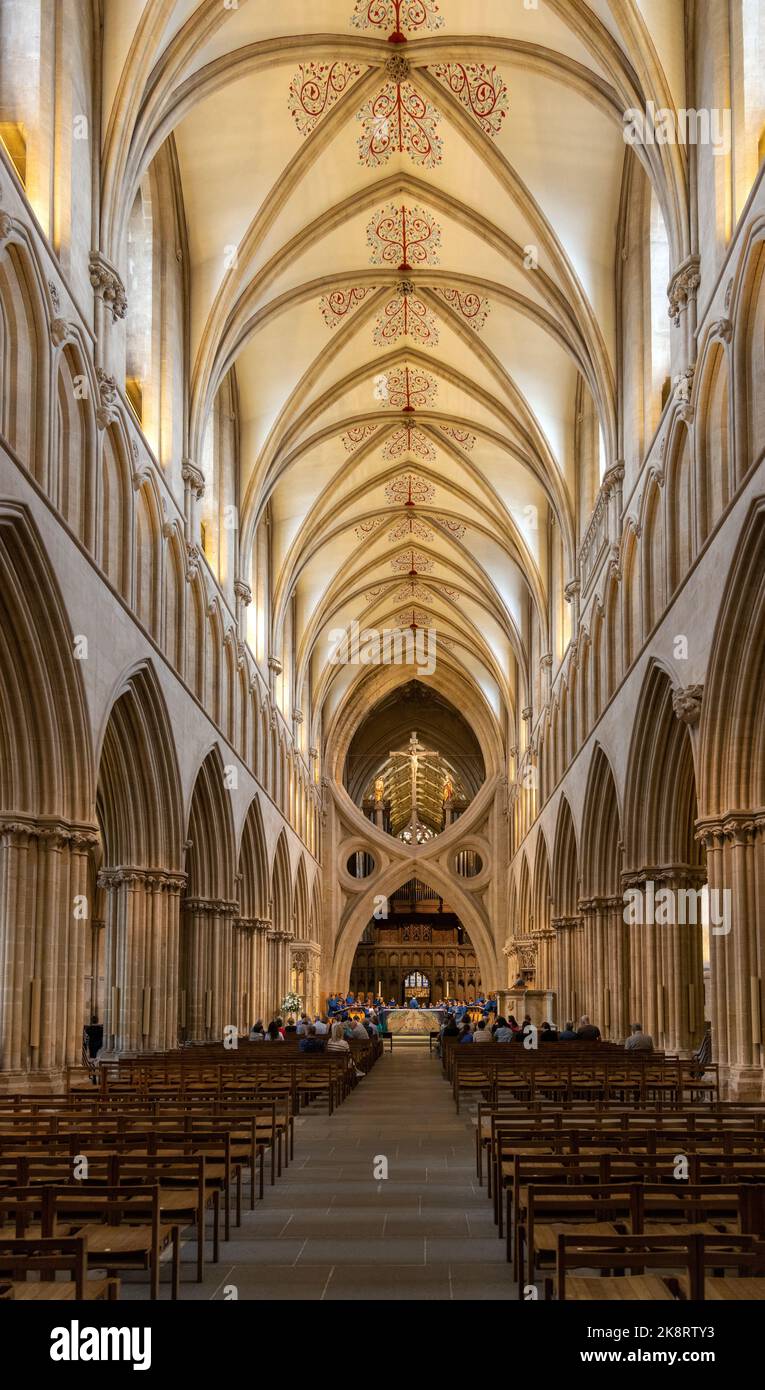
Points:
(660, 323)
(140, 283)
(750, 147)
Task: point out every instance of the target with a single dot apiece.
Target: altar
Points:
(413, 1022)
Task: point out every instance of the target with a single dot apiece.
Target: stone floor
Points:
(329, 1230)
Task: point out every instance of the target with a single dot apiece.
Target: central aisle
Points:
(329, 1230)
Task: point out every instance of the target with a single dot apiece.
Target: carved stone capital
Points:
(193, 561)
(733, 828)
(682, 287)
(6, 229)
(721, 328)
(686, 703)
(193, 477)
(108, 285)
(275, 665)
(572, 590)
(243, 591)
(107, 411)
(683, 388)
(527, 712)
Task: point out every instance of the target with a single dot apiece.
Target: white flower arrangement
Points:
(291, 1004)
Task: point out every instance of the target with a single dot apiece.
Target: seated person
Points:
(302, 1025)
(274, 1032)
(638, 1041)
(321, 1026)
(587, 1032)
(451, 1028)
(482, 1032)
(466, 1033)
(568, 1034)
(257, 1033)
(310, 1043)
(519, 1036)
(547, 1033)
(502, 1031)
(520, 983)
(414, 1003)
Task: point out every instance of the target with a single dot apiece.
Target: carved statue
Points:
(379, 789)
(448, 789)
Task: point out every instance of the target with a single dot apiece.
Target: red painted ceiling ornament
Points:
(411, 526)
(368, 527)
(473, 308)
(399, 121)
(409, 489)
(315, 88)
(413, 618)
(409, 440)
(456, 529)
(405, 316)
(338, 304)
(409, 389)
(482, 90)
(397, 15)
(413, 562)
(411, 591)
(356, 436)
(464, 438)
(403, 237)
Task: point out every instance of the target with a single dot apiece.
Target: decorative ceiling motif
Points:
(410, 489)
(464, 438)
(412, 562)
(405, 315)
(399, 121)
(411, 591)
(444, 591)
(397, 16)
(407, 389)
(411, 526)
(456, 529)
(356, 435)
(338, 304)
(403, 237)
(473, 308)
(315, 88)
(413, 617)
(481, 90)
(368, 527)
(409, 440)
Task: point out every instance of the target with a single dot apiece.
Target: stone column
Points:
(141, 958)
(245, 976)
(735, 847)
(604, 966)
(44, 942)
(666, 955)
(208, 967)
(565, 929)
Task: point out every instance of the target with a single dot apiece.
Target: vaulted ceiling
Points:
(402, 232)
